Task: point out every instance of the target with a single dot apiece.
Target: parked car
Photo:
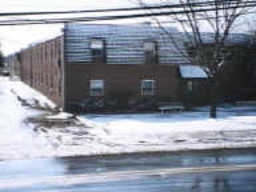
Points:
(5, 72)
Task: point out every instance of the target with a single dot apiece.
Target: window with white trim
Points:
(147, 87)
(96, 87)
(150, 49)
(98, 50)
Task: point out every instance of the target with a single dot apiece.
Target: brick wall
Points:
(41, 68)
(121, 79)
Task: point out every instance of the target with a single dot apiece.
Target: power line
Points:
(179, 5)
(88, 19)
(113, 17)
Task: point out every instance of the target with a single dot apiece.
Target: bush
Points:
(143, 104)
(92, 104)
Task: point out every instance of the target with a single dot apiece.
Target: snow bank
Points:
(157, 129)
(110, 134)
(61, 115)
(18, 88)
(114, 134)
(17, 139)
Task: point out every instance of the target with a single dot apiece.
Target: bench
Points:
(170, 107)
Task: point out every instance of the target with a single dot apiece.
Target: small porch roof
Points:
(192, 72)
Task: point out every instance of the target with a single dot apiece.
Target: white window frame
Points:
(150, 52)
(98, 50)
(96, 85)
(152, 46)
(97, 44)
(147, 93)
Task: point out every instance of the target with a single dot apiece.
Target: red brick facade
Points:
(41, 68)
(120, 80)
(124, 64)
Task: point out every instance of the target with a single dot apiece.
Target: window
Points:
(98, 50)
(147, 87)
(96, 87)
(150, 49)
(60, 86)
(190, 86)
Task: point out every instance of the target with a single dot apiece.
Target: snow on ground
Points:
(61, 115)
(25, 92)
(123, 133)
(17, 139)
(155, 132)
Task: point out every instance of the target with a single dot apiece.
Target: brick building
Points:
(113, 66)
(41, 67)
(13, 63)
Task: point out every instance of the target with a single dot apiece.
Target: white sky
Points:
(13, 38)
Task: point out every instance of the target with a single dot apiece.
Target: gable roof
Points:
(124, 43)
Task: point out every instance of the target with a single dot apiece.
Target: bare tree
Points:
(195, 17)
(1, 59)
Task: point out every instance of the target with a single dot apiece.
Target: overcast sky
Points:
(13, 38)
(16, 37)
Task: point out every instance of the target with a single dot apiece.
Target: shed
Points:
(193, 80)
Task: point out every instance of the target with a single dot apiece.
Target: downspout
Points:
(63, 68)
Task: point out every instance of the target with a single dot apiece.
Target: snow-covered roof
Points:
(192, 72)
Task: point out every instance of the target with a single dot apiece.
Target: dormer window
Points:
(98, 50)
(150, 50)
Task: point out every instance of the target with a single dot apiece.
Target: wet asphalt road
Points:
(213, 171)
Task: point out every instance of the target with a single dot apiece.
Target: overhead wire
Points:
(116, 17)
(163, 6)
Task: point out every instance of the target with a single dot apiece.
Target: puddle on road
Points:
(31, 168)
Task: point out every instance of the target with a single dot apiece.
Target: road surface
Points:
(212, 171)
